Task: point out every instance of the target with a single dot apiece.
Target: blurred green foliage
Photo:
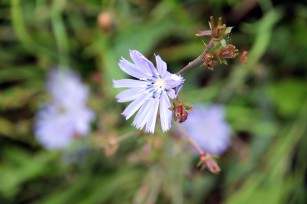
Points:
(265, 100)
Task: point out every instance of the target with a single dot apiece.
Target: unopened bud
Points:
(229, 51)
(218, 33)
(244, 56)
(217, 29)
(209, 61)
(180, 112)
(210, 163)
(112, 146)
(105, 21)
(212, 166)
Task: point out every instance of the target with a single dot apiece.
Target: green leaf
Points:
(288, 96)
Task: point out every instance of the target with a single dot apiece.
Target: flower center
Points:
(159, 85)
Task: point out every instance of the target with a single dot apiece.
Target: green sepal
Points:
(201, 165)
(224, 61)
(187, 107)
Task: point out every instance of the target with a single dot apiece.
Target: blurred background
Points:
(265, 101)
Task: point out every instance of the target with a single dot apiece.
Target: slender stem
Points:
(198, 59)
(127, 136)
(185, 135)
(204, 156)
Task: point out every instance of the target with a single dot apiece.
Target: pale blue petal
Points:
(178, 89)
(171, 93)
(129, 83)
(208, 128)
(173, 81)
(66, 115)
(152, 116)
(131, 69)
(217, 111)
(143, 63)
(82, 117)
(135, 105)
(141, 117)
(53, 130)
(129, 94)
(63, 83)
(161, 66)
(165, 114)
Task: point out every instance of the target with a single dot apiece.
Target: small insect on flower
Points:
(149, 92)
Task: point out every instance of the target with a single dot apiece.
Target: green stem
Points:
(127, 136)
(22, 33)
(60, 32)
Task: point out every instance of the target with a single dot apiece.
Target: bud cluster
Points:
(220, 54)
(220, 50)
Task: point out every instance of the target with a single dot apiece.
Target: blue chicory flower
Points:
(67, 115)
(206, 125)
(150, 91)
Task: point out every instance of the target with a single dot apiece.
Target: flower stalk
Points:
(205, 158)
(198, 60)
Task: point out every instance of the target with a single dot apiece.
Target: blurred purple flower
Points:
(151, 90)
(207, 127)
(67, 115)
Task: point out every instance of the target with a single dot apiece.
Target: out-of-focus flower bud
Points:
(244, 56)
(105, 21)
(212, 166)
(95, 77)
(112, 146)
(209, 162)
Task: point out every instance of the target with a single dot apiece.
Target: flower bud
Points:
(244, 56)
(180, 112)
(217, 29)
(209, 61)
(105, 21)
(210, 163)
(212, 166)
(229, 51)
(112, 146)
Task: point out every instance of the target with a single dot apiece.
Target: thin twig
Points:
(185, 135)
(204, 156)
(198, 59)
